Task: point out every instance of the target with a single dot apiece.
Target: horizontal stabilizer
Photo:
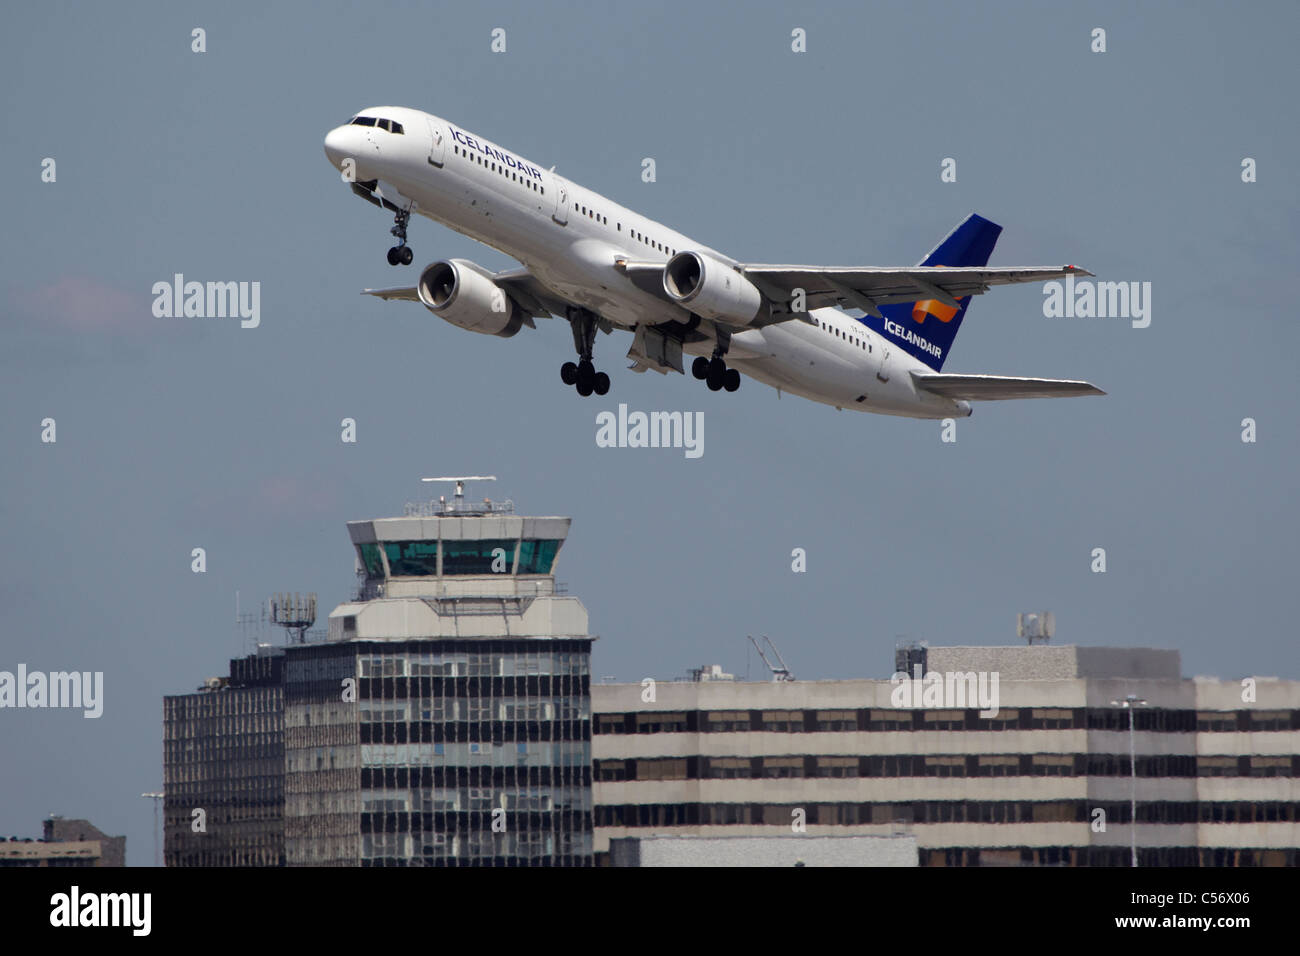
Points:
(991, 388)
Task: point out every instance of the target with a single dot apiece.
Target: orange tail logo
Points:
(944, 313)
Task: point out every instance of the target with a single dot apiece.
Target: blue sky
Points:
(175, 434)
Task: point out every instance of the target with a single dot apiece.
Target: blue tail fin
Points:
(913, 325)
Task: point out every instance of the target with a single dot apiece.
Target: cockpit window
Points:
(391, 125)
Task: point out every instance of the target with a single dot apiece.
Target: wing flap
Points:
(992, 388)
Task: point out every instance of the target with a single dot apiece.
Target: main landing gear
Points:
(583, 375)
(400, 254)
(715, 374)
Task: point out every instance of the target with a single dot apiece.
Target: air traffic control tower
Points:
(467, 738)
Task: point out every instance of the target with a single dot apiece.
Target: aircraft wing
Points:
(531, 296)
(990, 388)
(405, 295)
(869, 287)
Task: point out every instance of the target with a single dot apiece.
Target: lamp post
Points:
(1128, 703)
(157, 799)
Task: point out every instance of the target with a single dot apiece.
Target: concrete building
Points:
(65, 843)
(1044, 781)
(764, 851)
(446, 721)
(223, 768)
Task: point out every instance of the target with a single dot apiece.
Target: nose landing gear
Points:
(400, 254)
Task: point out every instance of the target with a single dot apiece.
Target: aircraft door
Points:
(437, 144)
(561, 213)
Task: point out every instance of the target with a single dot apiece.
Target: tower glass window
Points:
(537, 557)
(476, 557)
(407, 558)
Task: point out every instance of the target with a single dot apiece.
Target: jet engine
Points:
(462, 293)
(709, 287)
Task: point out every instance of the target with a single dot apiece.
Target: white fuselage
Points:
(569, 238)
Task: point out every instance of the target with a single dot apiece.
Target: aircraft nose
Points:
(336, 149)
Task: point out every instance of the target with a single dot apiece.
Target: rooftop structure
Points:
(65, 843)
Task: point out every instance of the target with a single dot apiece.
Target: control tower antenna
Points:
(778, 673)
(294, 612)
(460, 481)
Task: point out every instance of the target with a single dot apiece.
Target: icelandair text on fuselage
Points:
(906, 335)
(500, 155)
(655, 430)
(56, 689)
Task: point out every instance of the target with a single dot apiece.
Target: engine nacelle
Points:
(458, 291)
(711, 288)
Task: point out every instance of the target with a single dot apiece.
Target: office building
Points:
(1043, 781)
(223, 767)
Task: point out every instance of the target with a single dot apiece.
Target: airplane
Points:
(871, 338)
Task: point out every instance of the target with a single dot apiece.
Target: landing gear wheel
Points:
(715, 380)
(700, 368)
(731, 381)
(407, 255)
(717, 367)
(394, 256)
(584, 376)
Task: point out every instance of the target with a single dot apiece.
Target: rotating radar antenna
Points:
(460, 481)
